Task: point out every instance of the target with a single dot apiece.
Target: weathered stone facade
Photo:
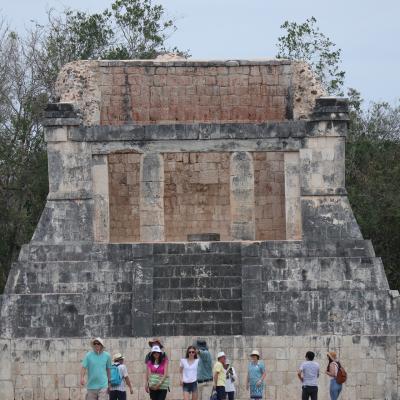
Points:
(143, 155)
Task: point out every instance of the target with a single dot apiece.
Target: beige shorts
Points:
(98, 394)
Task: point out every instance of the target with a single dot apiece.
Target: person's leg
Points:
(103, 394)
(314, 393)
(114, 395)
(194, 391)
(186, 393)
(221, 393)
(162, 394)
(304, 393)
(231, 395)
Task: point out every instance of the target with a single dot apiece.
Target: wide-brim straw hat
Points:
(118, 356)
(332, 355)
(97, 340)
(155, 341)
(255, 353)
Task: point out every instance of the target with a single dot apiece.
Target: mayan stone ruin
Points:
(197, 199)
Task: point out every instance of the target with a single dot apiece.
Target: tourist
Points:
(97, 364)
(230, 380)
(332, 371)
(188, 369)
(118, 392)
(308, 374)
(157, 381)
(154, 342)
(219, 376)
(204, 370)
(255, 376)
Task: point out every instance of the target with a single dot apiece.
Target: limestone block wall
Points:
(49, 369)
(126, 92)
(124, 194)
(196, 195)
(269, 195)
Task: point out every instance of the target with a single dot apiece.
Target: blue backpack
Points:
(116, 377)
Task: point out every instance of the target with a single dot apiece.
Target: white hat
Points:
(255, 353)
(97, 339)
(156, 349)
(220, 354)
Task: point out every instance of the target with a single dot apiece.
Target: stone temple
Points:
(197, 199)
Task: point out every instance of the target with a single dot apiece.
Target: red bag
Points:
(341, 376)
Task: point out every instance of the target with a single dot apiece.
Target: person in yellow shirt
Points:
(219, 376)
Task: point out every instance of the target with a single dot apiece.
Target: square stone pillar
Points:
(68, 213)
(292, 196)
(326, 212)
(101, 198)
(242, 196)
(152, 198)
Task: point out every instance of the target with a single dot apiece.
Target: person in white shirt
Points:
(308, 374)
(188, 370)
(231, 377)
(119, 392)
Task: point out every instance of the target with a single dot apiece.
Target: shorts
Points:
(190, 387)
(97, 394)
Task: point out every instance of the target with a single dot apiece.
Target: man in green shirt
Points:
(97, 363)
(204, 370)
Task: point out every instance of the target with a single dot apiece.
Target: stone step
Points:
(81, 251)
(198, 329)
(307, 273)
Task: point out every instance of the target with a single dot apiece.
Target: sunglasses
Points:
(192, 352)
(97, 343)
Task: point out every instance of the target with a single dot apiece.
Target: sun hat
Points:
(156, 349)
(97, 340)
(220, 354)
(154, 342)
(332, 355)
(255, 353)
(118, 356)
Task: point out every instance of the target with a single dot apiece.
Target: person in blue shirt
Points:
(204, 370)
(97, 364)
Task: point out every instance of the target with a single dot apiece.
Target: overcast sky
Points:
(367, 31)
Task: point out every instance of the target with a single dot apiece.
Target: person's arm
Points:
(128, 382)
(181, 375)
(146, 382)
(234, 376)
(260, 381)
(83, 372)
(165, 375)
(332, 371)
(109, 377)
(300, 375)
(247, 380)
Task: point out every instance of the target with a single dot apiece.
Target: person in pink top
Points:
(157, 381)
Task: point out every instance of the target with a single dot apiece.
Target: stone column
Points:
(292, 196)
(68, 214)
(152, 198)
(101, 198)
(242, 196)
(326, 212)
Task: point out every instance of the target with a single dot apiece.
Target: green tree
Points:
(306, 42)
(373, 145)
(29, 65)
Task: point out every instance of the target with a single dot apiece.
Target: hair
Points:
(153, 359)
(310, 355)
(255, 355)
(187, 351)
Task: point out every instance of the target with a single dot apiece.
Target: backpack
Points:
(115, 375)
(341, 376)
